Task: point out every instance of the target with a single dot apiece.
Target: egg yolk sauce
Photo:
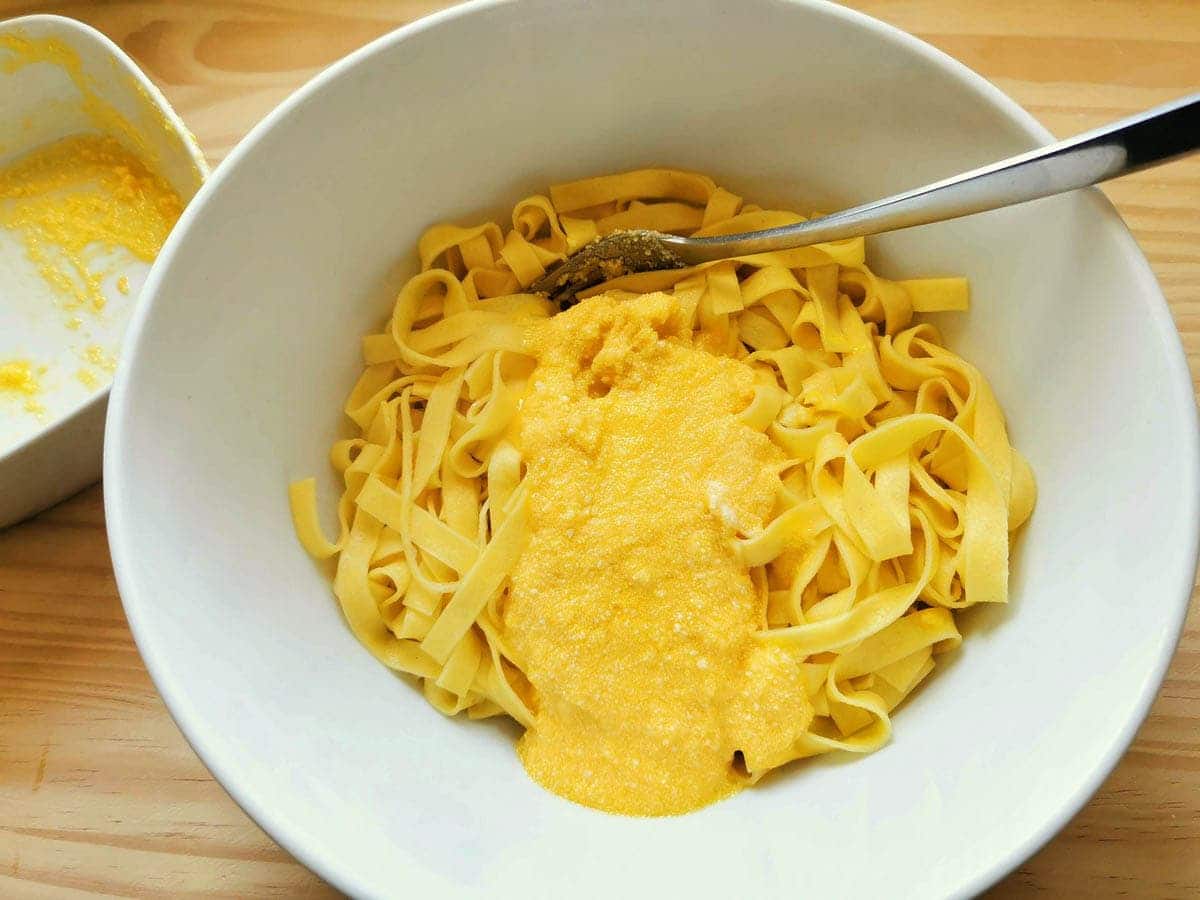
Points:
(79, 195)
(629, 611)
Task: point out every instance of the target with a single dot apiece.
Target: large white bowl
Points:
(239, 360)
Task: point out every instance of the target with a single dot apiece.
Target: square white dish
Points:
(53, 449)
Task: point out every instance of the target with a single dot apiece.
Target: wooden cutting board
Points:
(99, 793)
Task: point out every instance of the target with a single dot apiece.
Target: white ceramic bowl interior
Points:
(48, 456)
(239, 362)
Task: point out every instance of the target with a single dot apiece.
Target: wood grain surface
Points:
(99, 793)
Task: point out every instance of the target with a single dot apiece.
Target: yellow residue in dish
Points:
(100, 358)
(19, 377)
(88, 379)
(629, 611)
(123, 284)
(87, 191)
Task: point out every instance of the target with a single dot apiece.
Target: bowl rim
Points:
(287, 832)
(81, 30)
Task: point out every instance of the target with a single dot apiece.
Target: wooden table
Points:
(99, 793)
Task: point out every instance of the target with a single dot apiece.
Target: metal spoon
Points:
(1129, 145)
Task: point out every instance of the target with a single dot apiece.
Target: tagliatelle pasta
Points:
(706, 522)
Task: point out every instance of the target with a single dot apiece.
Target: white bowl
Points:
(44, 459)
(239, 361)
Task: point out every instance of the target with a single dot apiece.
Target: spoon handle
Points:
(1129, 145)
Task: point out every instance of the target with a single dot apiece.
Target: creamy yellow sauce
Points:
(629, 612)
(79, 195)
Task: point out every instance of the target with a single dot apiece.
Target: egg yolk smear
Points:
(80, 194)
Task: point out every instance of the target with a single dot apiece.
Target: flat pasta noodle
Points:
(897, 494)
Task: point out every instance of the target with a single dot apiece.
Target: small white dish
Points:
(240, 358)
(48, 455)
